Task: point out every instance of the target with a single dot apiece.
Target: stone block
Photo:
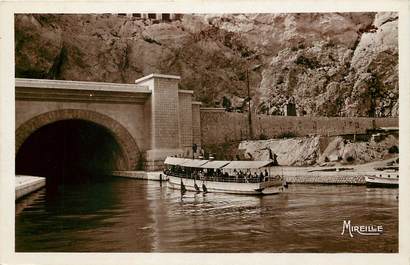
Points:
(161, 154)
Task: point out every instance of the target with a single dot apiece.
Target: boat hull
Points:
(382, 182)
(262, 188)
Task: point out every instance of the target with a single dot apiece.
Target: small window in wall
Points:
(137, 15)
(166, 16)
(152, 15)
(178, 16)
(122, 14)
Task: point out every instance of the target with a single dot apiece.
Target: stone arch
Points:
(125, 140)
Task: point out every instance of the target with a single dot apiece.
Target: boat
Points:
(383, 179)
(235, 177)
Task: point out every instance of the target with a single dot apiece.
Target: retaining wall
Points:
(219, 126)
(154, 175)
(25, 185)
(354, 180)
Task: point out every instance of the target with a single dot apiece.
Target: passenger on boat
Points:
(248, 176)
(226, 176)
(241, 176)
(255, 177)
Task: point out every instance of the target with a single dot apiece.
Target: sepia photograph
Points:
(206, 132)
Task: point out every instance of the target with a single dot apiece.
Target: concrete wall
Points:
(218, 126)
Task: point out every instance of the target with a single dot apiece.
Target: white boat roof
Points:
(200, 163)
(248, 164)
(176, 161)
(194, 163)
(214, 164)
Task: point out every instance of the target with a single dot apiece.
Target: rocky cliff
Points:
(319, 150)
(328, 64)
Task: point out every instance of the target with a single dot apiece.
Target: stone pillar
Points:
(162, 119)
(185, 121)
(196, 124)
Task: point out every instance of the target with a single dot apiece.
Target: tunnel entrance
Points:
(69, 152)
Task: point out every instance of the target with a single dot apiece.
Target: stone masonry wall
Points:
(165, 114)
(320, 179)
(162, 119)
(185, 120)
(196, 124)
(218, 126)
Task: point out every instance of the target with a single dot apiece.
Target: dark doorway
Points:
(166, 16)
(152, 16)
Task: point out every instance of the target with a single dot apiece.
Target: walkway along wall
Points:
(219, 126)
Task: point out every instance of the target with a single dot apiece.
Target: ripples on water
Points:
(125, 215)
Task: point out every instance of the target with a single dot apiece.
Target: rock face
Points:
(306, 151)
(359, 152)
(328, 64)
(331, 77)
(296, 151)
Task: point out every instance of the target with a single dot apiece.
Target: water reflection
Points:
(137, 216)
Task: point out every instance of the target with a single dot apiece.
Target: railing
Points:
(223, 178)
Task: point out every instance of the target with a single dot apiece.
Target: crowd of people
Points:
(245, 176)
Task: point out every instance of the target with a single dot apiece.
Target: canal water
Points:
(126, 215)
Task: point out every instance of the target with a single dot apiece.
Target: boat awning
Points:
(175, 161)
(248, 164)
(194, 162)
(214, 164)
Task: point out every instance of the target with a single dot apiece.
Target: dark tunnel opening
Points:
(69, 152)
